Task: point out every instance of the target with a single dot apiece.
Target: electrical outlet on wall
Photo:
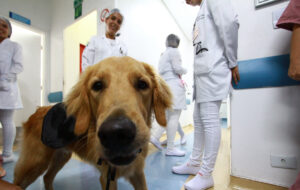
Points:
(280, 161)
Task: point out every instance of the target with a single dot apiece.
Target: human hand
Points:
(294, 71)
(235, 74)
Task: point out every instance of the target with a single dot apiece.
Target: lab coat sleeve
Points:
(176, 62)
(17, 59)
(88, 54)
(227, 24)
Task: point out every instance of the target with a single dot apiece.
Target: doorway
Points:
(31, 79)
(75, 37)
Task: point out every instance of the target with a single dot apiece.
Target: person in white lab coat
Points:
(101, 47)
(10, 99)
(170, 69)
(215, 40)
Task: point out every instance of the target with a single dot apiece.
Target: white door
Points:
(30, 79)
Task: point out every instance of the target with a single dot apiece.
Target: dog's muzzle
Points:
(117, 135)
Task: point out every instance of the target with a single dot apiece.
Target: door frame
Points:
(43, 57)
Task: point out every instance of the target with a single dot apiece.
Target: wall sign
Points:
(77, 8)
(259, 3)
(103, 14)
(19, 18)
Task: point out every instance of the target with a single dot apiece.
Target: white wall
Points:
(183, 14)
(74, 35)
(39, 12)
(62, 17)
(146, 26)
(264, 121)
(257, 38)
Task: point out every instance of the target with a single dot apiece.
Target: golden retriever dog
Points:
(105, 120)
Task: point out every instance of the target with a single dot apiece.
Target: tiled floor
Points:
(77, 175)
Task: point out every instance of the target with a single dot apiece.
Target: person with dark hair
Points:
(101, 47)
(215, 41)
(170, 69)
(10, 99)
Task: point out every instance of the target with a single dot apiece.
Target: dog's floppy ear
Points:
(58, 129)
(77, 103)
(67, 121)
(162, 100)
(162, 96)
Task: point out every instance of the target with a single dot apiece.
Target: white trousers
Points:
(9, 131)
(172, 125)
(207, 136)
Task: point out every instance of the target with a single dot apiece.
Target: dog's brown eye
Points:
(98, 86)
(142, 85)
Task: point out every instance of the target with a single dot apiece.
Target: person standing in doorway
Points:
(10, 99)
(170, 69)
(101, 47)
(215, 40)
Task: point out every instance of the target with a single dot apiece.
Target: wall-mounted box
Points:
(282, 161)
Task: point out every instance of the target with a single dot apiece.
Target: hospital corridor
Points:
(149, 94)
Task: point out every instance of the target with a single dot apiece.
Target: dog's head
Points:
(113, 103)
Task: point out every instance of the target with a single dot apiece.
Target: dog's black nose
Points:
(117, 132)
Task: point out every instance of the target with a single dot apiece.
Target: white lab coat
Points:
(170, 69)
(10, 66)
(215, 41)
(99, 48)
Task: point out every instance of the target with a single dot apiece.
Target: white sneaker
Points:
(164, 142)
(199, 183)
(183, 140)
(156, 143)
(7, 159)
(186, 168)
(175, 152)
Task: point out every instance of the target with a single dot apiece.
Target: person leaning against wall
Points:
(170, 70)
(10, 66)
(290, 20)
(101, 47)
(215, 40)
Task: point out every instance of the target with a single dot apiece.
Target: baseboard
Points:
(261, 180)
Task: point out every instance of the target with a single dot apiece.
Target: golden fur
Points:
(91, 108)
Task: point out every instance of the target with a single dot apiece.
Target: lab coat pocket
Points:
(203, 63)
(5, 86)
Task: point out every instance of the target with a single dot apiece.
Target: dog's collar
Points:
(111, 173)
